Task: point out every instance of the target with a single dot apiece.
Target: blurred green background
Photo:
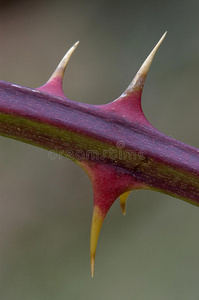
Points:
(46, 205)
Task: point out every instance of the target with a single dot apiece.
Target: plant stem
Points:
(85, 132)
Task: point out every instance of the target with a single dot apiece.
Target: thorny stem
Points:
(114, 143)
(81, 132)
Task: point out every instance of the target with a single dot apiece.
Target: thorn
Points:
(54, 84)
(59, 71)
(123, 199)
(97, 221)
(108, 182)
(138, 81)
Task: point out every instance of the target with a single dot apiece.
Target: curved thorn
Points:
(138, 81)
(97, 221)
(54, 84)
(59, 71)
(123, 199)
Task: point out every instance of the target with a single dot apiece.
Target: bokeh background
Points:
(46, 205)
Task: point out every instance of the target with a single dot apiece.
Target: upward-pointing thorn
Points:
(59, 71)
(138, 81)
(128, 105)
(54, 84)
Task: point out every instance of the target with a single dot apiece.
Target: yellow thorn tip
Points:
(97, 221)
(59, 71)
(139, 78)
(92, 266)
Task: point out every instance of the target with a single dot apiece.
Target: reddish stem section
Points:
(59, 124)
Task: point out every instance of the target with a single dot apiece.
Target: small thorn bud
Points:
(123, 199)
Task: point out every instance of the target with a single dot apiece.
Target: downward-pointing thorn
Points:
(97, 221)
(92, 266)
